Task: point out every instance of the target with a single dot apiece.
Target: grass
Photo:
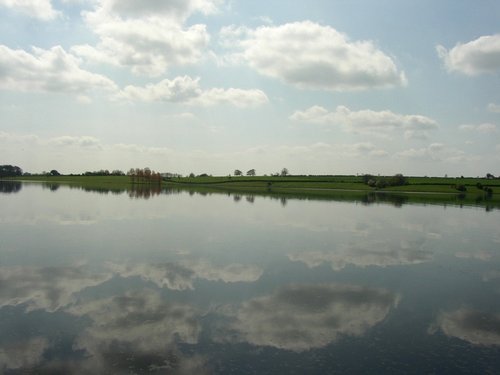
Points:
(426, 188)
(416, 184)
(103, 181)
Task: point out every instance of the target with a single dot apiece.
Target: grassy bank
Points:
(79, 180)
(415, 184)
(419, 190)
(297, 184)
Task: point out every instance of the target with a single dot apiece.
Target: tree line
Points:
(10, 171)
(144, 175)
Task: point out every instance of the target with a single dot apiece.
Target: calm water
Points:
(113, 283)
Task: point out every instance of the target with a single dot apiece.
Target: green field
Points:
(415, 184)
(297, 185)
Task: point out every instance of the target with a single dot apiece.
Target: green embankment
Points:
(420, 188)
(415, 184)
(97, 181)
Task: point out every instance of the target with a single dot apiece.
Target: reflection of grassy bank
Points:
(364, 197)
(95, 181)
(418, 190)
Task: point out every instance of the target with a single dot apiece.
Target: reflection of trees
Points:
(367, 198)
(144, 191)
(302, 317)
(10, 187)
(394, 199)
(476, 327)
(52, 186)
(136, 191)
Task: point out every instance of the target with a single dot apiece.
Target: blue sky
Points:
(210, 86)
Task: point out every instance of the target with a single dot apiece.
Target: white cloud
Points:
(180, 89)
(481, 55)
(187, 90)
(83, 141)
(40, 9)
(137, 332)
(481, 128)
(378, 254)
(367, 121)
(142, 317)
(492, 107)
(435, 152)
(476, 327)
(48, 288)
(233, 96)
(22, 354)
(146, 36)
(308, 55)
(182, 275)
(302, 317)
(177, 10)
(52, 70)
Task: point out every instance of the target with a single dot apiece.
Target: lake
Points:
(185, 281)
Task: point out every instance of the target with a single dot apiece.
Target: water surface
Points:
(181, 282)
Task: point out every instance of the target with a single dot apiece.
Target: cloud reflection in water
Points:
(182, 275)
(302, 317)
(48, 288)
(374, 254)
(138, 330)
(476, 327)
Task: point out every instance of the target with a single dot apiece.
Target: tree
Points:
(251, 172)
(237, 172)
(10, 171)
(398, 180)
(284, 172)
(53, 172)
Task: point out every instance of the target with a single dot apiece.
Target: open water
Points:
(180, 282)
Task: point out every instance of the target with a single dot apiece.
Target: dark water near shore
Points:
(112, 283)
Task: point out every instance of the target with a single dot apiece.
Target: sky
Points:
(210, 86)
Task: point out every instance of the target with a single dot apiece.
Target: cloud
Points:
(436, 152)
(146, 36)
(16, 355)
(237, 97)
(140, 317)
(40, 9)
(182, 275)
(485, 128)
(180, 89)
(476, 327)
(367, 121)
(302, 317)
(52, 70)
(187, 90)
(377, 254)
(492, 107)
(48, 288)
(82, 141)
(139, 331)
(311, 56)
(481, 55)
